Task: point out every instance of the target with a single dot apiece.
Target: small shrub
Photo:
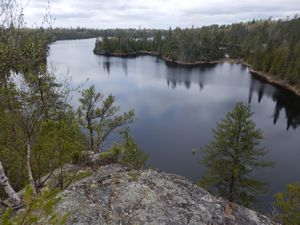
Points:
(289, 205)
(113, 154)
(36, 211)
(134, 176)
(79, 176)
(133, 156)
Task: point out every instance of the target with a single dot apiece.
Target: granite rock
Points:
(115, 194)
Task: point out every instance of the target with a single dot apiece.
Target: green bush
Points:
(289, 205)
(133, 156)
(36, 211)
(113, 154)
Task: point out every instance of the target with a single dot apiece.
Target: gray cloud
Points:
(72, 15)
(157, 13)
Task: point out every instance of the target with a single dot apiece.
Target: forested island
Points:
(270, 47)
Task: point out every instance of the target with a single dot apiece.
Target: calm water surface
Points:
(176, 107)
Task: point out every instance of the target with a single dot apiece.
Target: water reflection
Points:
(186, 75)
(106, 66)
(284, 101)
(125, 66)
(107, 63)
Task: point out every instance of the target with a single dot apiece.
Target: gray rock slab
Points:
(117, 195)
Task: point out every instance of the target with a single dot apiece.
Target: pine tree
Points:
(100, 116)
(232, 157)
(133, 156)
(289, 205)
(36, 210)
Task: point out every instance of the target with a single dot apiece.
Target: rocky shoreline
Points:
(277, 83)
(267, 77)
(260, 74)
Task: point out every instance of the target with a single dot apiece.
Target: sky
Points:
(155, 13)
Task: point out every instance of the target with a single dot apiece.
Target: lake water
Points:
(176, 107)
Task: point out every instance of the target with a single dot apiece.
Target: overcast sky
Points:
(156, 13)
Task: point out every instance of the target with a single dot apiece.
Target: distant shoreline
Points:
(150, 53)
(260, 74)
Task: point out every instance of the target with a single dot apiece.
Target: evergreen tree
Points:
(100, 116)
(88, 112)
(36, 210)
(133, 156)
(58, 142)
(232, 157)
(289, 205)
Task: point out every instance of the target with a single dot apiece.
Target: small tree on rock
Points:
(100, 117)
(133, 156)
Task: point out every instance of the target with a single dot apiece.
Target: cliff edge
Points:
(115, 194)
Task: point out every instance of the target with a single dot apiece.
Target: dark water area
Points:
(176, 107)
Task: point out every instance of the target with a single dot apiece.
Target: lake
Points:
(176, 107)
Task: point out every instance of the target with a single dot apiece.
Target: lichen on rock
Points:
(115, 194)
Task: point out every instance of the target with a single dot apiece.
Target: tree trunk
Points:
(235, 164)
(29, 171)
(231, 186)
(91, 135)
(92, 139)
(7, 188)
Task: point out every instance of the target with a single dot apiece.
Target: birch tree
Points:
(33, 106)
(7, 187)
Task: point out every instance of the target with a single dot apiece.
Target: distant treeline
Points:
(74, 33)
(82, 33)
(267, 45)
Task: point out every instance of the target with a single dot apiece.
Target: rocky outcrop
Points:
(115, 194)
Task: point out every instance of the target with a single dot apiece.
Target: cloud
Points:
(157, 13)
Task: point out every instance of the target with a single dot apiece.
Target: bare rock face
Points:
(118, 195)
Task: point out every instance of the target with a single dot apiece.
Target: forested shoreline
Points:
(271, 48)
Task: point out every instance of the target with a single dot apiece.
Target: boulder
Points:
(115, 194)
